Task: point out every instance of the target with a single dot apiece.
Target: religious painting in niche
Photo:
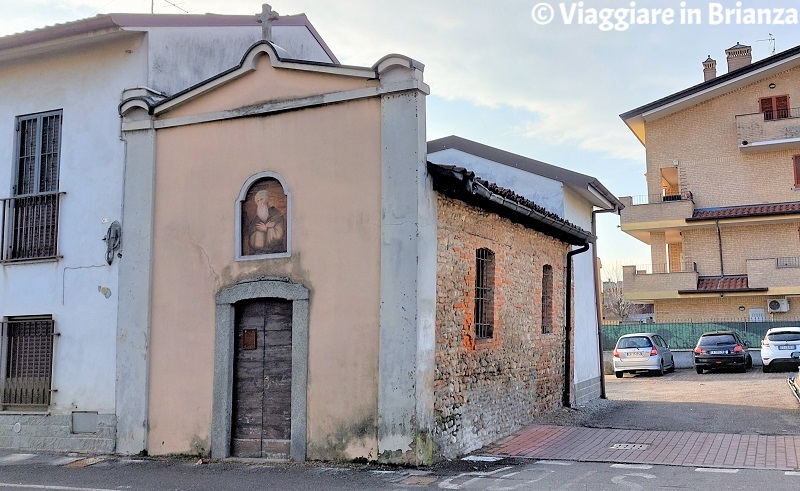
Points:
(264, 219)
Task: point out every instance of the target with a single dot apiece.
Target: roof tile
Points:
(745, 211)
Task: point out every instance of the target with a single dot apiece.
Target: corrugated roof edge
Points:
(572, 178)
(463, 184)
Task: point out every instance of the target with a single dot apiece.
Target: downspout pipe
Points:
(567, 395)
(721, 261)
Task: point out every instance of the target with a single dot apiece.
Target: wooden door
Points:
(262, 398)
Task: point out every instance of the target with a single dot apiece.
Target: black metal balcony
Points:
(30, 227)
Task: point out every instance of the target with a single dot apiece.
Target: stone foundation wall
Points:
(487, 389)
(55, 433)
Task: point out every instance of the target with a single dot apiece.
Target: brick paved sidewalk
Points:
(682, 448)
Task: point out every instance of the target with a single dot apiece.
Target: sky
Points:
(547, 80)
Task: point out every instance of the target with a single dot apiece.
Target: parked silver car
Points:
(642, 351)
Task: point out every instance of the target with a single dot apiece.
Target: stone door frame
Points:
(224, 356)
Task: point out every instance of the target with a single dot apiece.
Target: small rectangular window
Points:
(27, 361)
(484, 294)
(547, 299)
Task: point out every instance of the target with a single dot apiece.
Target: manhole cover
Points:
(630, 446)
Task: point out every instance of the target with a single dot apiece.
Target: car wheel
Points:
(749, 362)
(699, 370)
(672, 367)
(618, 374)
(766, 368)
(660, 371)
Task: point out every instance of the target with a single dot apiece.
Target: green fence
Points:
(684, 335)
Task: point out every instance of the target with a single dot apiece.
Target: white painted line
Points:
(792, 473)
(718, 470)
(631, 466)
(16, 457)
(44, 486)
(554, 462)
(482, 458)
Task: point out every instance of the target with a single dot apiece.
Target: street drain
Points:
(630, 446)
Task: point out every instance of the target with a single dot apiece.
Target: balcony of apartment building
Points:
(770, 130)
(654, 281)
(778, 274)
(667, 209)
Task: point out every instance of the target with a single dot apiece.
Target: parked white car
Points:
(642, 351)
(777, 347)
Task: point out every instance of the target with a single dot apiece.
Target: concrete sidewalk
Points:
(681, 448)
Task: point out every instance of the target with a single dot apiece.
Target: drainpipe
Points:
(565, 400)
(719, 240)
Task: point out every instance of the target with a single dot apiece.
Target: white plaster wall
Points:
(587, 355)
(545, 192)
(86, 85)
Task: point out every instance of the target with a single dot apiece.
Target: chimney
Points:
(738, 56)
(709, 69)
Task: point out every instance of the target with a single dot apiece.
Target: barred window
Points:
(27, 361)
(484, 294)
(547, 299)
(30, 216)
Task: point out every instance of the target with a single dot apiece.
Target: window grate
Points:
(547, 299)
(28, 361)
(30, 227)
(484, 294)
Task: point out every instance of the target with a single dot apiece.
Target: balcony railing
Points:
(29, 227)
(788, 262)
(27, 362)
(683, 267)
(770, 127)
(650, 199)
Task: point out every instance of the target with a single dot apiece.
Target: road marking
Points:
(554, 462)
(632, 466)
(792, 473)
(482, 458)
(16, 457)
(43, 486)
(716, 469)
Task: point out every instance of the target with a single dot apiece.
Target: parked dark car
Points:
(721, 349)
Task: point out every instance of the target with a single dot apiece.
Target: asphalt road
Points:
(718, 402)
(505, 475)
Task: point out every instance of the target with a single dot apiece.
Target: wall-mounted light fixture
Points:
(772, 86)
(741, 308)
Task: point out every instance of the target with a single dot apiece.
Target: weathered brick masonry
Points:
(487, 389)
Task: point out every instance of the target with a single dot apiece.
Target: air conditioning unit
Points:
(778, 305)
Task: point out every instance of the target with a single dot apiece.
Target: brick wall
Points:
(739, 243)
(704, 141)
(488, 389)
(717, 308)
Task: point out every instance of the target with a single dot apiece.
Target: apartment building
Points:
(722, 210)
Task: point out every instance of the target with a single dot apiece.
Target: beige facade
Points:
(722, 195)
(317, 134)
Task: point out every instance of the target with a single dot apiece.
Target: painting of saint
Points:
(264, 219)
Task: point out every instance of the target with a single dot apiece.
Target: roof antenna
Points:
(771, 41)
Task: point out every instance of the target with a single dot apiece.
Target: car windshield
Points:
(784, 336)
(635, 342)
(717, 340)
